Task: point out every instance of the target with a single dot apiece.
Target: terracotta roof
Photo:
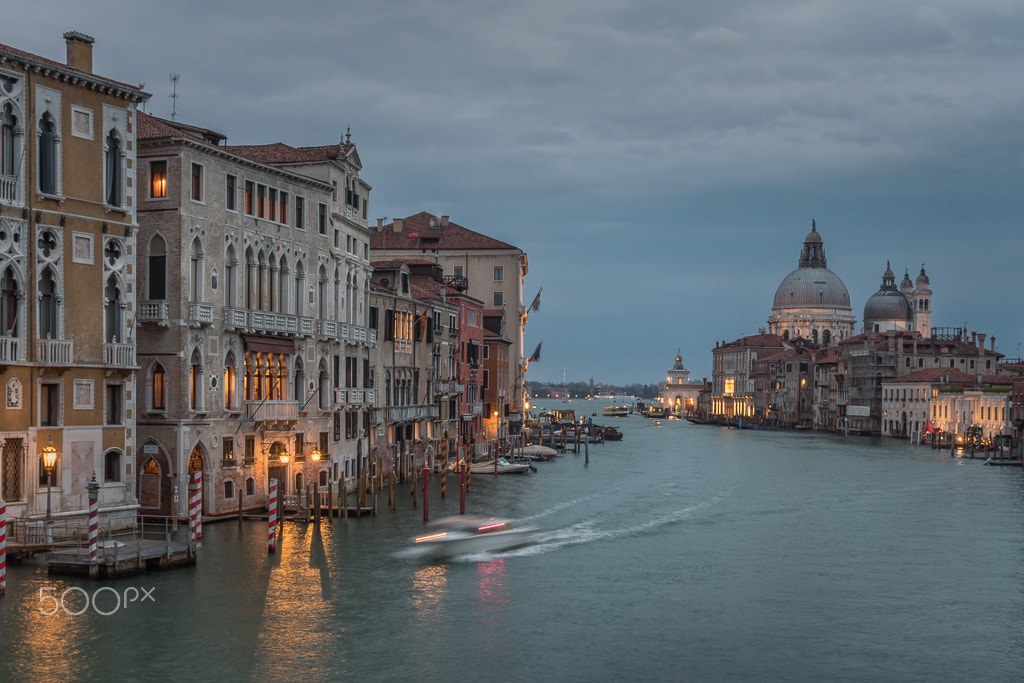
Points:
(430, 234)
(395, 264)
(758, 340)
(955, 376)
(150, 127)
(280, 153)
(64, 67)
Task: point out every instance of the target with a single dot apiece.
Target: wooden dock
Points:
(117, 559)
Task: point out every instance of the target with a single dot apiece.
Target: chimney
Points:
(444, 221)
(79, 50)
(974, 338)
(981, 341)
(380, 224)
(398, 225)
(993, 343)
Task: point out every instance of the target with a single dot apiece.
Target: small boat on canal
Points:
(503, 467)
(616, 411)
(468, 535)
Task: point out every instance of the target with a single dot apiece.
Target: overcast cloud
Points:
(660, 162)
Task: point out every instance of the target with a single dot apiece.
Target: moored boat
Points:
(503, 467)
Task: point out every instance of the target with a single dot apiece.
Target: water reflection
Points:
(430, 587)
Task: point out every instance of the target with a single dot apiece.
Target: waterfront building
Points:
(68, 236)
(812, 302)
(732, 381)
(829, 391)
(791, 371)
(906, 308)
(493, 270)
(979, 412)
(497, 355)
(869, 359)
(406, 413)
(907, 401)
(252, 351)
(678, 394)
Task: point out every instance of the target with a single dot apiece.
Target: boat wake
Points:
(589, 531)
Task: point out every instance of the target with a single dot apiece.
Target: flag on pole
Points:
(929, 428)
(535, 306)
(536, 353)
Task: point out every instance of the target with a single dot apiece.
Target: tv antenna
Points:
(174, 95)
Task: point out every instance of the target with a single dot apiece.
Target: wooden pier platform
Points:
(121, 559)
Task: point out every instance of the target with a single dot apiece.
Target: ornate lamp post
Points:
(49, 461)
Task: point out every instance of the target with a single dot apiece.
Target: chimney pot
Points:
(380, 223)
(79, 50)
(444, 221)
(398, 225)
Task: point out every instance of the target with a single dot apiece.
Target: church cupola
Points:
(813, 253)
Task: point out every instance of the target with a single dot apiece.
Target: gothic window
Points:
(230, 381)
(282, 286)
(157, 269)
(300, 286)
(322, 310)
(196, 271)
(325, 386)
(826, 337)
(230, 273)
(196, 381)
(8, 304)
(8, 156)
(112, 312)
(48, 328)
(47, 155)
(158, 392)
(113, 179)
(300, 378)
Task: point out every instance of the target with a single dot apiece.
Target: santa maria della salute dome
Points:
(812, 302)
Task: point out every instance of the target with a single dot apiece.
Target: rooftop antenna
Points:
(174, 95)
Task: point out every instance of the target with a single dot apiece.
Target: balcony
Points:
(11, 349)
(199, 314)
(119, 355)
(55, 351)
(306, 326)
(154, 312)
(266, 322)
(328, 329)
(410, 413)
(272, 411)
(235, 318)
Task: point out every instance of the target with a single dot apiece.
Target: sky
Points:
(659, 161)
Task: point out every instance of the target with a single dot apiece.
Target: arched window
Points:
(8, 156)
(8, 304)
(112, 312)
(785, 335)
(251, 267)
(114, 177)
(230, 273)
(299, 390)
(112, 466)
(322, 299)
(47, 155)
(196, 381)
(826, 337)
(230, 381)
(282, 286)
(156, 275)
(260, 296)
(196, 271)
(814, 336)
(48, 327)
(158, 392)
(300, 287)
(325, 387)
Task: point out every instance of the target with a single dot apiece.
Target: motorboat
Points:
(503, 467)
(616, 411)
(470, 534)
(537, 452)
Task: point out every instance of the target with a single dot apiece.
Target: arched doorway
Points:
(155, 483)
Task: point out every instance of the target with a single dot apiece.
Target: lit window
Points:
(157, 179)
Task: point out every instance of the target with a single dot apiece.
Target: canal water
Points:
(682, 553)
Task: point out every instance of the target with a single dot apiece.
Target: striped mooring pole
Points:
(444, 463)
(3, 547)
(94, 523)
(197, 479)
(272, 517)
(193, 500)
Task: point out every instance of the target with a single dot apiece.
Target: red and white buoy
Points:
(272, 517)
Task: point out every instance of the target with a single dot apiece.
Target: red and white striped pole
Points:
(193, 499)
(94, 522)
(3, 547)
(444, 463)
(272, 517)
(197, 478)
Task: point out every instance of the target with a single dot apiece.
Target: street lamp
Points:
(315, 456)
(49, 460)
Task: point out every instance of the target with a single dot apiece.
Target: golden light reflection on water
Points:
(51, 633)
(430, 586)
(298, 620)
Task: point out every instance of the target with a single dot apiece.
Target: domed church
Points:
(906, 308)
(812, 302)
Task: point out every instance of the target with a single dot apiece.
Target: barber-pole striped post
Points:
(193, 500)
(444, 463)
(197, 479)
(3, 547)
(94, 524)
(272, 517)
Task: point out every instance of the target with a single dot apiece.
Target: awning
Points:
(268, 344)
